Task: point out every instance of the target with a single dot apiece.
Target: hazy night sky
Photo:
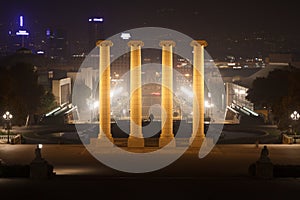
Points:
(198, 19)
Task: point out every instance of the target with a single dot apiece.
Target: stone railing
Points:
(290, 139)
(4, 137)
(14, 139)
(17, 139)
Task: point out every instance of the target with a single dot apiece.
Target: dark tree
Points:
(20, 92)
(47, 103)
(279, 92)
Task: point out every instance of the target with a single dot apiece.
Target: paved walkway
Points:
(222, 173)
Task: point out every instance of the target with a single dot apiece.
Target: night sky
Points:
(198, 19)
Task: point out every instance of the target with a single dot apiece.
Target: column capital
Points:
(104, 43)
(135, 43)
(199, 43)
(167, 43)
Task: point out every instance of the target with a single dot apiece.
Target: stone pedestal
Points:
(196, 142)
(101, 142)
(170, 141)
(264, 166)
(264, 170)
(135, 142)
(39, 167)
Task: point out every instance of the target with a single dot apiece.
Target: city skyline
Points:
(212, 21)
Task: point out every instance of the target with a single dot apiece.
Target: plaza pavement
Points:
(223, 173)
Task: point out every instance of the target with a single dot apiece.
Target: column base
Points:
(135, 142)
(196, 142)
(170, 141)
(102, 141)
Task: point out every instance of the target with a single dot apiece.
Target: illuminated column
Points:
(104, 90)
(198, 93)
(167, 135)
(136, 137)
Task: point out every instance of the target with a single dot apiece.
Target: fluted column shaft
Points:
(167, 92)
(104, 89)
(136, 137)
(198, 92)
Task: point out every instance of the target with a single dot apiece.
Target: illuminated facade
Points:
(236, 95)
(61, 90)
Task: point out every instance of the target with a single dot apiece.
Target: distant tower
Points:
(19, 37)
(95, 29)
(22, 32)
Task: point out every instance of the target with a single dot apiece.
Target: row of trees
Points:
(279, 93)
(21, 94)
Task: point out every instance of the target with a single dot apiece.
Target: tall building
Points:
(95, 31)
(18, 35)
(57, 44)
(33, 35)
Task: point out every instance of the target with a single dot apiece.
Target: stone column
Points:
(104, 90)
(167, 134)
(198, 93)
(136, 137)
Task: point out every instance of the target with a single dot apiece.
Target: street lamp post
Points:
(294, 116)
(7, 117)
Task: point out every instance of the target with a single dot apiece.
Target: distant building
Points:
(282, 59)
(50, 42)
(236, 94)
(18, 35)
(95, 31)
(61, 90)
(57, 44)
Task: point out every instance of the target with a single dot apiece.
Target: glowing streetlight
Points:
(40, 146)
(294, 116)
(7, 117)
